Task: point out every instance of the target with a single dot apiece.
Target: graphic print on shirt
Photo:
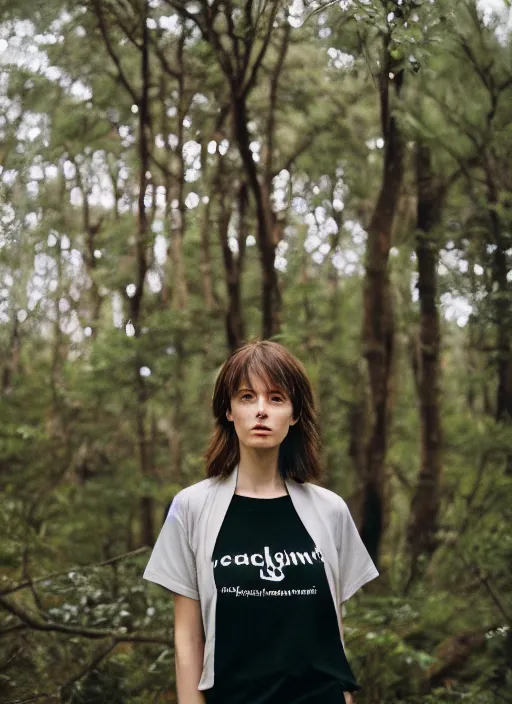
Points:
(273, 568)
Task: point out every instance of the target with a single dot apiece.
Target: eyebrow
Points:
(272, 391)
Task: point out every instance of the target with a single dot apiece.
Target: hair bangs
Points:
(255, 364)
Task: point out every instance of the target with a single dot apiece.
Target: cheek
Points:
(284, 419)
(238, 415)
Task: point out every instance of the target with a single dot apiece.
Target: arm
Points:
(342, 631)
(348, 695)
(188, 648)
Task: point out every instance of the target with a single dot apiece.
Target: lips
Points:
(261, 427)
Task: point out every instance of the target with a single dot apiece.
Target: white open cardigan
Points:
(181, 559)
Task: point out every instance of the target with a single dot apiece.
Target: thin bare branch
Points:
(110, 49)
(175, 73)
(80, 568)
(228, 11)
(100, 655)
(33, 698)
(274, 87)
(484, 581)
(181, 9)
(249, 83)
(33, 620)
(129, 32)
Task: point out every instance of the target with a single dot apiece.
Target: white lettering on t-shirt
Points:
(237, 591)
(272, 564)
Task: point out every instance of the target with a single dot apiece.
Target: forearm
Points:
(348, 695)
(189, 666)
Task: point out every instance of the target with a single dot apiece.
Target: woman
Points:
(258, 557)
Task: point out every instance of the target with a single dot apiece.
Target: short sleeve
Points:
(355, 564)
(172, 563)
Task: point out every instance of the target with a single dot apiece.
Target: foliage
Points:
(104, 407)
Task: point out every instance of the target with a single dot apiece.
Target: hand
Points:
(348, 698)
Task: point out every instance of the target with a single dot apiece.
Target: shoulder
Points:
(335, 511)
(328, 501)
(192, 495)
(326, 496)
(189, 502)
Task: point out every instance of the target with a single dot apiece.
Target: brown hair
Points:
(299, 453)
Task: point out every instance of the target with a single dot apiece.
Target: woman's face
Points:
(253, 405)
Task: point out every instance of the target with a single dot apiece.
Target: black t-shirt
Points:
(276, 637)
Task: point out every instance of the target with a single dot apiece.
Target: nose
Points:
(261, 406)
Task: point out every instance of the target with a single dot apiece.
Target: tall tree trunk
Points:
(12, 358)
(147, 530)
(233, 266)
(333, 276)
(205, 257)
(471, 365)
(175, 288)
(141, 244)
(502, 302)
(266, 229)
(91, 230)
(59, 349)
(179, 300)
(425, 502)
(378, 324)
(305, 286)
(249, 37)
(174, 432)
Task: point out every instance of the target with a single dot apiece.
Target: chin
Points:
(257, 442)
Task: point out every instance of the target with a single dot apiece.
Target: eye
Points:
(244, 396)
(277, 397)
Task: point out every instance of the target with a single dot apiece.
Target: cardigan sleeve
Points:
(172, 562)
(356, 567)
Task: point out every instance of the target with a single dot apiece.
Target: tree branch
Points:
(180, 7)
(228, 11)
(274, 88)
(129, 33)
(101, 653)
(175, 73)
(33, 621)
(108, 44)
(485, 582)
(80, 568)
(248, 85)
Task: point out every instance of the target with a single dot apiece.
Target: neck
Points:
(259, 475)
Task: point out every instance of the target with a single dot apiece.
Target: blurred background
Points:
(178, 177)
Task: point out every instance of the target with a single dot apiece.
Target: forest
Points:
(178, 177)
